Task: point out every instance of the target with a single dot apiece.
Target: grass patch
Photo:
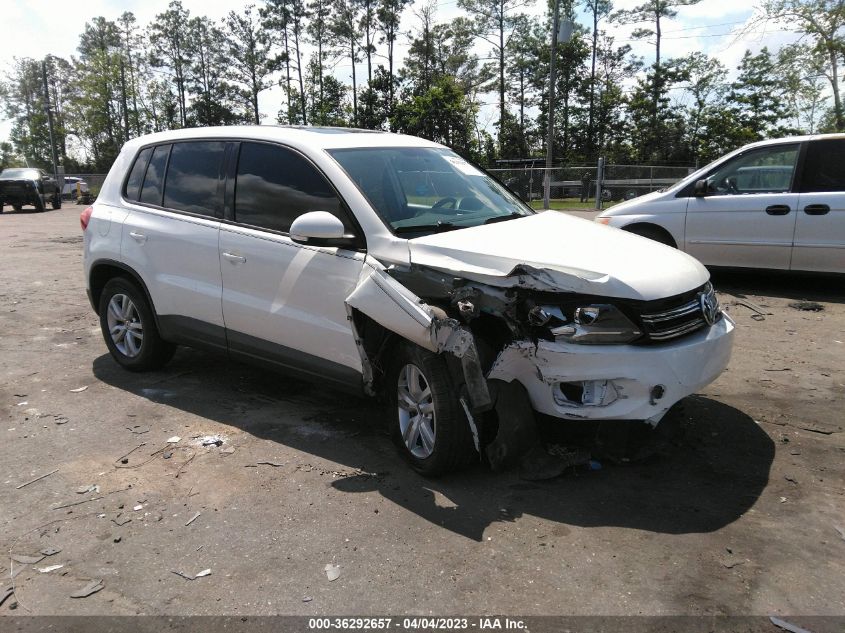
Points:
(570, 203)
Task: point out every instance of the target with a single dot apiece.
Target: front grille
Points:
(674, 321)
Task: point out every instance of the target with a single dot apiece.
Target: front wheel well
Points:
(653, 232)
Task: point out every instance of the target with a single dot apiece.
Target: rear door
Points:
(820, 225)
(283, 302)
(171, 236)
(747, 218)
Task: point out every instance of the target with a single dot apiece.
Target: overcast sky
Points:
(35, 28)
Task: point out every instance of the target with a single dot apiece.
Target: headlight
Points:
(596, 325)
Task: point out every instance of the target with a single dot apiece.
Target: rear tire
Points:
(129, 327)
(426, 418)
(57, 201)
(653, 233)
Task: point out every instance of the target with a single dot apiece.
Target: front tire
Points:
(427, 421)
(653, 233)
(39, 204)
(129, 328)
(57, 201)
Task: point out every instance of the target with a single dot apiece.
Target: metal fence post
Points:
(599, 179)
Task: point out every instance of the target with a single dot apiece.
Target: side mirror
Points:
(316, 227)
(700, 189)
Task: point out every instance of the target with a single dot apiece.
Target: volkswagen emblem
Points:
(709, 307)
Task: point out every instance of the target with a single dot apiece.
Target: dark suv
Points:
(26, 185)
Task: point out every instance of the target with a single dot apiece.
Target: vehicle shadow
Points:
(708, 480)
(786, 285)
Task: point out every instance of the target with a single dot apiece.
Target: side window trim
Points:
(359, 236)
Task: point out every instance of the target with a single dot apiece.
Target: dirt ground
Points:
(745, 516)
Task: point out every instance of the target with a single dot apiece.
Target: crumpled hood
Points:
(557, 252)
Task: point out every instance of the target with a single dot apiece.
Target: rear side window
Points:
(195, 178)
(824, 167)
(136, 176)
(276, 185)
(154, 179)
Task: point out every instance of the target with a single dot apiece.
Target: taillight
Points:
(85, 217)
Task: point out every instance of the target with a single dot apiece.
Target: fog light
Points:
(585, 393)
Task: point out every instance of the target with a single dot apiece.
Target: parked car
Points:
(74, 188)
(26, 185)
(777, 204)
(388, 265)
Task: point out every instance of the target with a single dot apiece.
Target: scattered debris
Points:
(50, 551)
(139, 429)
(120, 522)
(786, 626)
(174, 440)
(60, 419)
(91, 588)
(5, 595)
(204, 572)
(184, 464)
(730, 564)
(26, 560)
(89, 500)
(759, 314)
(117, 539)
(211, 440)
(307, 599)
(266, 463)
(807, 306)
(49, 568)
(332, 572)
(228, 450)
(783, 499)
(32, 413)
(32, 481)
(840, 530)
(79, 389)
(138, 507)
(781, 369)
(791, 479)
(192, 519)
(168, 455)
(86, 489)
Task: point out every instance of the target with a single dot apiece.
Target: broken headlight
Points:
(597, 324)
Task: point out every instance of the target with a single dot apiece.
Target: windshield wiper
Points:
(502, 218)
(440, 227)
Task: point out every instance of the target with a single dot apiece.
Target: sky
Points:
(35, 28)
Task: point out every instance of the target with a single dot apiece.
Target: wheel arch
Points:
(642, 228)
(103, 270)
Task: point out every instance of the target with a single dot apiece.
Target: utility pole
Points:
(50, 121)
(558, 35)
(547, 179)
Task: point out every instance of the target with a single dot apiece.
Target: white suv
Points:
(387, 264)
(777, 204)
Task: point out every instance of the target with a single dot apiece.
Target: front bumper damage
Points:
(615, 382)
(561, 379)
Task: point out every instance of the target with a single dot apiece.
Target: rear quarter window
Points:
(136, 174)
(824, 167)
(151, 190)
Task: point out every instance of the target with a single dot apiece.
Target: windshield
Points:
(422, 190)
(31, 174)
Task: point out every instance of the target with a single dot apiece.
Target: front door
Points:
(747, 217)
(282, 301)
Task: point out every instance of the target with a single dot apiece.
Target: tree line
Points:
(183, 70)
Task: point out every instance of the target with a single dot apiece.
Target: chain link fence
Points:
(578, 182)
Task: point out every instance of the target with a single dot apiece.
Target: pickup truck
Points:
(27, 185)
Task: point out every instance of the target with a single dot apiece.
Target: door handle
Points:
(235, 259)
(817, 209)
(138, 237)
(778, 209)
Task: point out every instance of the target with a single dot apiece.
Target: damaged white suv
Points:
(388, 264)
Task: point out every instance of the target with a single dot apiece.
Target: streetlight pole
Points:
(547, 180)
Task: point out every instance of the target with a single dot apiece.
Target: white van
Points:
(777, 204)
(388, 265)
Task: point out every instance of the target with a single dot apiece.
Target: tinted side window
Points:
(136, 176)
(195, 178)
(154, 180)
(275, 185)
(824, 167)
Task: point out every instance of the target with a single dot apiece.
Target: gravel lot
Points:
(740, 518)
